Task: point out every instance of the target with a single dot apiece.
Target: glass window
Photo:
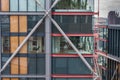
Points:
(31, 5)
(7, 69)
(103, 46)
(78, 68)
(103, 33)
(5, 45)
(75, 5)
(4, 23)
(36, 45)
(36, 64)
(59, 65)
(42, 4)
(74, 24)
(23, 5)
(32, 65)
(65, 66)
(40, 65)
(32, 21)
(71, 79)
(83, 44)
(13, 5)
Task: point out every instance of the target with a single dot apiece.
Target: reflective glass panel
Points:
(75, 5)
(13, 5)
(36, 45)
(42, 2)
(22, 5)
(31, 5)
(83, 44)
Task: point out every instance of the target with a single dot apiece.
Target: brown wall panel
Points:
(5, 78)
(14, 66)
(4, 5)
(13, 23)
(14, 79)
(23, 23)
(23, 65)
(13, 43)
(24, 48)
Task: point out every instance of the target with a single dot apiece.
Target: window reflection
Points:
(4, 24)
(36, 45)
(74, 24)
(5, 45)
(75, 5)
(32, 21)
(83, 44)
(103, 33)
(26, 5)
(103, 46)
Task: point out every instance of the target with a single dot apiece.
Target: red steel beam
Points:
(101, 52)
(73, 34)
(75, 13)
(102, 67)
(102, 39)
(101, 26)
(72, 76)
(70, 55)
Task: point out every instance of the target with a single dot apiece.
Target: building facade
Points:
(113, 45)
(46, 55)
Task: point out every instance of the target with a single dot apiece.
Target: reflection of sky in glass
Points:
(90, 4)
(108, 5)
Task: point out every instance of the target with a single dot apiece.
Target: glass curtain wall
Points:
(75, 5)
(84, 44)
(74, 24)
(26, 5)
(30, 60)
(73, 66)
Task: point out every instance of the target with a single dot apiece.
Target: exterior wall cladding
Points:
(46, 55)
(113, 45)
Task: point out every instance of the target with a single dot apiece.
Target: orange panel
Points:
(4, 5)
(24, 48)
(14, 79)
(23, 23)
(14, 43)
(13, 23)
(23, 65)
(14, 66)
(5, 78)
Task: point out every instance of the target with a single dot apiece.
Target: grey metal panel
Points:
(48, 43)
(22, 13)
(23, 76)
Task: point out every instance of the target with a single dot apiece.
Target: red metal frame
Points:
(101, 52)
(101, 26)
(72, 76)
(102, 67)
(100, 39)
(70, 55)
(73, 34)
(75, 13)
